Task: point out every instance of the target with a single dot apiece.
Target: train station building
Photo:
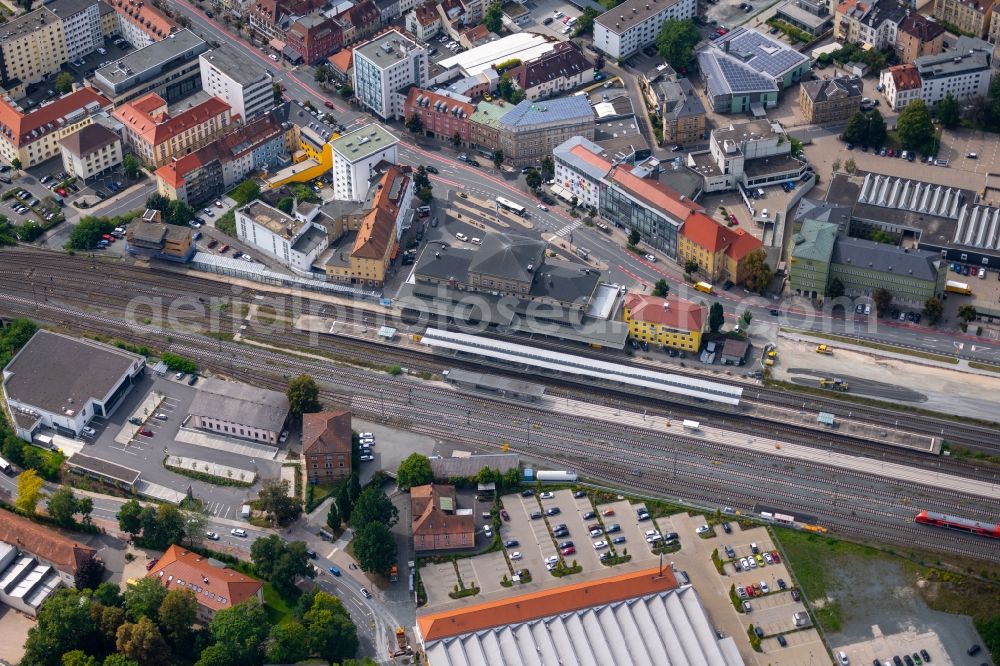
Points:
(60, 383)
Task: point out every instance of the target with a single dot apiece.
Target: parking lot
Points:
(145, 452)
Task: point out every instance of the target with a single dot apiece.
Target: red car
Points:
(776, 557)
(329, 105)
(61, 191)
(146, 432)
(223, 249)
(722, 31)
(504, 514)
(749, 590)
(151, 564)
(569, 551)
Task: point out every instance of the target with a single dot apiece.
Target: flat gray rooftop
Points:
(387, 49)
(153, 56)
(58, 373)
(235, 64)
(495, 382)
(240, 403)
(104, 468)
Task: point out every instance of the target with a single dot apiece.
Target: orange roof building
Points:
(216, 586)
(719, 251)
(640, 617)
(375, 239)
(156, 136)
(35, 136)
(64, 554)
(326, 445)
(142, 24)
(438, 523)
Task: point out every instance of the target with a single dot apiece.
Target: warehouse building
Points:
(61, 383)
(239, 410)
(640, 617)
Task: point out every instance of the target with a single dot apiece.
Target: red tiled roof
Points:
(673, 312)
(656, 194)
(326, 432)
(342, 59)
(545, 603)
(434, 98)
(921, 27)
(429, 518)
(715, 237)
(18, 126)
(426, 14)
(146, 17)
(590, 158)
(44, 542)
(905, 77)
(377, 230)
(219, 587)
(146, 117)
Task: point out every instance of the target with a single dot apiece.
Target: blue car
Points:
(335, 571)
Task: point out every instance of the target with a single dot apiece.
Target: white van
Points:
(763, 214)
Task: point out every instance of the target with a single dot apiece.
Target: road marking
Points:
(569, 228)
(332, 552)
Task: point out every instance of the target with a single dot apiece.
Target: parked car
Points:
(146, 432)
(212, 536)
(238, 531)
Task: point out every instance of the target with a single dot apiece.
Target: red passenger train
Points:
(964, 524)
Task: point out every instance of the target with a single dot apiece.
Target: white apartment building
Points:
(237, 80)
(963, 73)
(580, 168)
(634, 24)
(292, 241)
(384, 66)
(91, 150)
(81, 21)
(900, 85)
(355, 155)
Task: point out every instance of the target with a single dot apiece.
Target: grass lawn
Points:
(275, 606)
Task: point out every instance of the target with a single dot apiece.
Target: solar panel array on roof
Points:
(742, 79)
(763, 53)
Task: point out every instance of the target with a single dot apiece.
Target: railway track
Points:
(610, 452)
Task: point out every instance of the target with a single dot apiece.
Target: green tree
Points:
(333, 635)
(373, 506)
(287, 643)
(29, 492)
(89, 574)
(322, 73)
(162, 526)
(914, 127)
(414, 124)
(716, 317)
(333, 517)
(293, 562)
(497, 158)
(415, 470)
(108, 594)
(634, 237)
(548, 168)
(690, 266)
(245, 192)
(64, 82)
(850, 166)
(346, 91)
(130, 517)
(144, 598)
(177, 614)
(836, 288)
(493, 17)
(949, 112)
(131, 165)
(533, 179)
(856, 130)
(933, 309)
(456, 139)
(354, 484)
(15, 164)
(119, 660)
(875, 132)
(273, 498)
(883, 300)
(143, 642)
(264, 553)
(585, 22)
(79, 658)
(967, 312)
(63, 624)
(276, 94)
(344, 503)
(747, 317)
(87, 232)
(216, 655)
(881, 236)
(240, 630)
(505, 87)
(676, 41)
(285, 205)
(374, 547)
(661, 288)
(758, 273)
(303, 396)
(62, 506)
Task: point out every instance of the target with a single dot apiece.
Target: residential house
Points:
(873, 22)
(964, 73)
(81, 21)
(424, 22)
(215, 586)
(157, 137)
(293, 242)
(91, 150)
(441, 116)
(32, 47)
(437, 522)
(141, 24)
(634, 24)
(900, 85)
(384, 68)
(150, 238)
(314, 37)
(918, 36)
(326, 446)
(830, 100)
(360, 22)
(671, 322)
(355, 158)
(969, 16)
(238, 80)
(34, 136)
(580, 168)
(558, 71)
(719, 251)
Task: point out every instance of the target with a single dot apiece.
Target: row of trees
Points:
(149, 626)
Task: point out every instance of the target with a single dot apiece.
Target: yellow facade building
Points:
(719, 251)
(32, 47)
(668, 322)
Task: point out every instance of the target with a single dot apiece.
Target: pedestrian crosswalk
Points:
(569, 228)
